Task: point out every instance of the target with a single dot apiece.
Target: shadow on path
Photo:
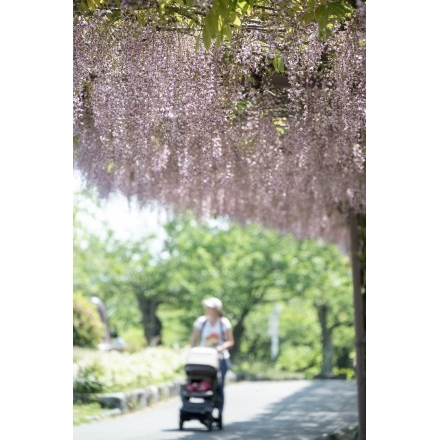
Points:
(322, 408)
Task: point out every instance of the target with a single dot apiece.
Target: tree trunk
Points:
(358, 256)
(326, 341)
(151, 324)
(238, 332)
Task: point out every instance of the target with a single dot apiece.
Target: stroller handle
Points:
(220, 354)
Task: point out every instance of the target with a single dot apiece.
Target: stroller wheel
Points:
(208, 422)
(209, 425)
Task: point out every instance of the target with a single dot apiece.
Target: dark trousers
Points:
(224, 367)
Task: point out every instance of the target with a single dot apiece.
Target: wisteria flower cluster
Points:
(160, 119)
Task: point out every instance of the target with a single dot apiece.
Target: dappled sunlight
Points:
(320, 407)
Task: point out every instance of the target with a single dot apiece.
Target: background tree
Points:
(249, 267)
(328, 287)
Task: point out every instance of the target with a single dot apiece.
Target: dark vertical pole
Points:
(104, 318)
(357, 256)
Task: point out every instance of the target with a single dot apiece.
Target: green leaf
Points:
(211, 23)
(244, 6)
(110, 167)
(141, 18)
(223, 10)
(91, 5)
(308, 17)
(237, 21)
(206, 35)
(219, 40)
(281, 67)
(227, 31)
(220, 22)
(333, 11)
(83, 7)
(340, 10)
(278, 63)
(327, 13)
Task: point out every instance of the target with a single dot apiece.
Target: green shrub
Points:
(257, 370)
(348, 373)
(88, 382)
(88, 329)
(299, 358)
(135, 339)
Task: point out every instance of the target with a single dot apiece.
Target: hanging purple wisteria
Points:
(269, 126)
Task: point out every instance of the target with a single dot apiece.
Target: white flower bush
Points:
(123, 371)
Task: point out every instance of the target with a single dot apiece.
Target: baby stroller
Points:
(199, 394)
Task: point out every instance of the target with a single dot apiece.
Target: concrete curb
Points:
(124, 402)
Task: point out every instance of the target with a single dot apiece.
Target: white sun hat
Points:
(213, 303)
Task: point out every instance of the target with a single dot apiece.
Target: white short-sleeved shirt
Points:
(212, 335)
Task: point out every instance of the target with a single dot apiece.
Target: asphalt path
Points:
(262, 410)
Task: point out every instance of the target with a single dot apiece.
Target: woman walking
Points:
(215, 330)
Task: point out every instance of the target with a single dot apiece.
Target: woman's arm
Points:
(195, 337)
(229, 340)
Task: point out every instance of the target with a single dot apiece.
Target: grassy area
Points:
(86, 413)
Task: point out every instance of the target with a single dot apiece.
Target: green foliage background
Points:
(251, 269)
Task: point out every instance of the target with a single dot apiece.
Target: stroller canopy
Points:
(202, 359)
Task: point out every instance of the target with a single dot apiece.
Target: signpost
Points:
(273, 331)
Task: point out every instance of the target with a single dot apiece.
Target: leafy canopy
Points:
(216, 20)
